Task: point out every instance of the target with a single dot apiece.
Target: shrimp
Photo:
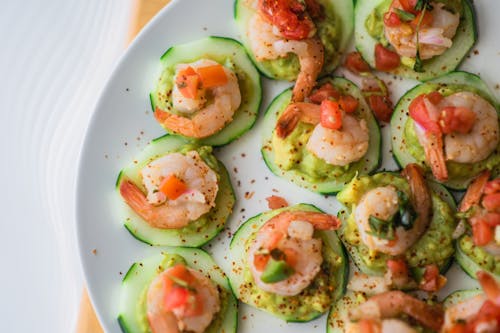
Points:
(433, 38)
(394, 303)
(463, 311)
(474, 192)
(337, 147)
(206, 114)
(291, 232)
(161, 212)
(383, 203)
(267, 44)
(198, 310)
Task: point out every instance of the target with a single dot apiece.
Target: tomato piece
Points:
(385, 59)
(331, 116)
(356, 64)
(348, 103)
(276, 202)
(492, 202)
(432, 280)
(381, 107)
(409, 5)
(398, 267)
(427, 20)
(289, 16)
(456, 119)
(492, 186)
(482, 233)
(260, 261)
(493, 219)
(187, 82)
(435, 97)
(172, 187)
(212, 76)
(326, 91)
(392, 20)
(176, 297)
(419, 113)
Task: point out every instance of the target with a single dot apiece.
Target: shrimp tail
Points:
(474, 192)
(434, 153)
(490, 286)
(178, 124)
(136, 199)
(311, 64)
(420, 196)
(295, 112)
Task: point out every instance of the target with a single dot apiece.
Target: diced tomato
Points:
(381, 107)
(409, 5)
(492, 186)
(432, 280)
(493, 219)
(356, 64)
(492, 202)
(331, 116)
(289, 16)
(398, 267)
(326, 91)
(435, 97)
(212, 76)
(187, 82)
(260, 261)
(385, 59)
(456, 119)
(427, 20)
(392, 20)
(276, 202)
(482, 233)
(348, 103)
(419, 113)
(176, 297)
(172, 187)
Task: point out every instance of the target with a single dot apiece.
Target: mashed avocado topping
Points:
(434, 247)
(171, 260)
(483, 259)
(456, 171)
(328, 30)
(314, 300)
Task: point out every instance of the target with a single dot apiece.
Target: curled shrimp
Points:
(208, 112)
(383, 203)
(267, 44)
(291, 233)
(394, 303)
(161, 212)
(337, 147)
(182, 318)
(434, 38)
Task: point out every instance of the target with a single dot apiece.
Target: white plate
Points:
(123, 124)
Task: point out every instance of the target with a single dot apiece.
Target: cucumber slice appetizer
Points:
(334, 30)
(465, 38)
(336, 177)
(132, 317)
(197, 232)
(229, 53)
(473, 258)
(435, 246)
(405, 146)
(303, 307)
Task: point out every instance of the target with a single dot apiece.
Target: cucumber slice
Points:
(196, 233)
(229, 53)
(442, 218)
(335, 31)
(463, 41)
(470, 264)
(339, 175)
(460, 296)
(338, 317)
(296, 309)
(132, 316)
(401, 148)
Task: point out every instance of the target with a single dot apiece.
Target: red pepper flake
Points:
(276, 202)
(94, 251)
(249, 195)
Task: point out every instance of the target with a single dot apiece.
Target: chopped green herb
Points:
(381, 228)
(404, 15)
(423, 4)
(419, 65)
(181, 283)
(277, 254)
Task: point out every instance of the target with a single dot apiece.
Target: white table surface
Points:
(55, 56)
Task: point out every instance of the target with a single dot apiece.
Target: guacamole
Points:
(479, 256)
(434, 247)
(169, 261)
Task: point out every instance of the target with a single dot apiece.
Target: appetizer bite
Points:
(478, 247)
(175, 193)
(208, 91)
(321, 143)
(398, 229)
(418, 39)
(295, 40)
(388, 312)
(289, 262)
(474, 311)
(450, 126)
(179, 290)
